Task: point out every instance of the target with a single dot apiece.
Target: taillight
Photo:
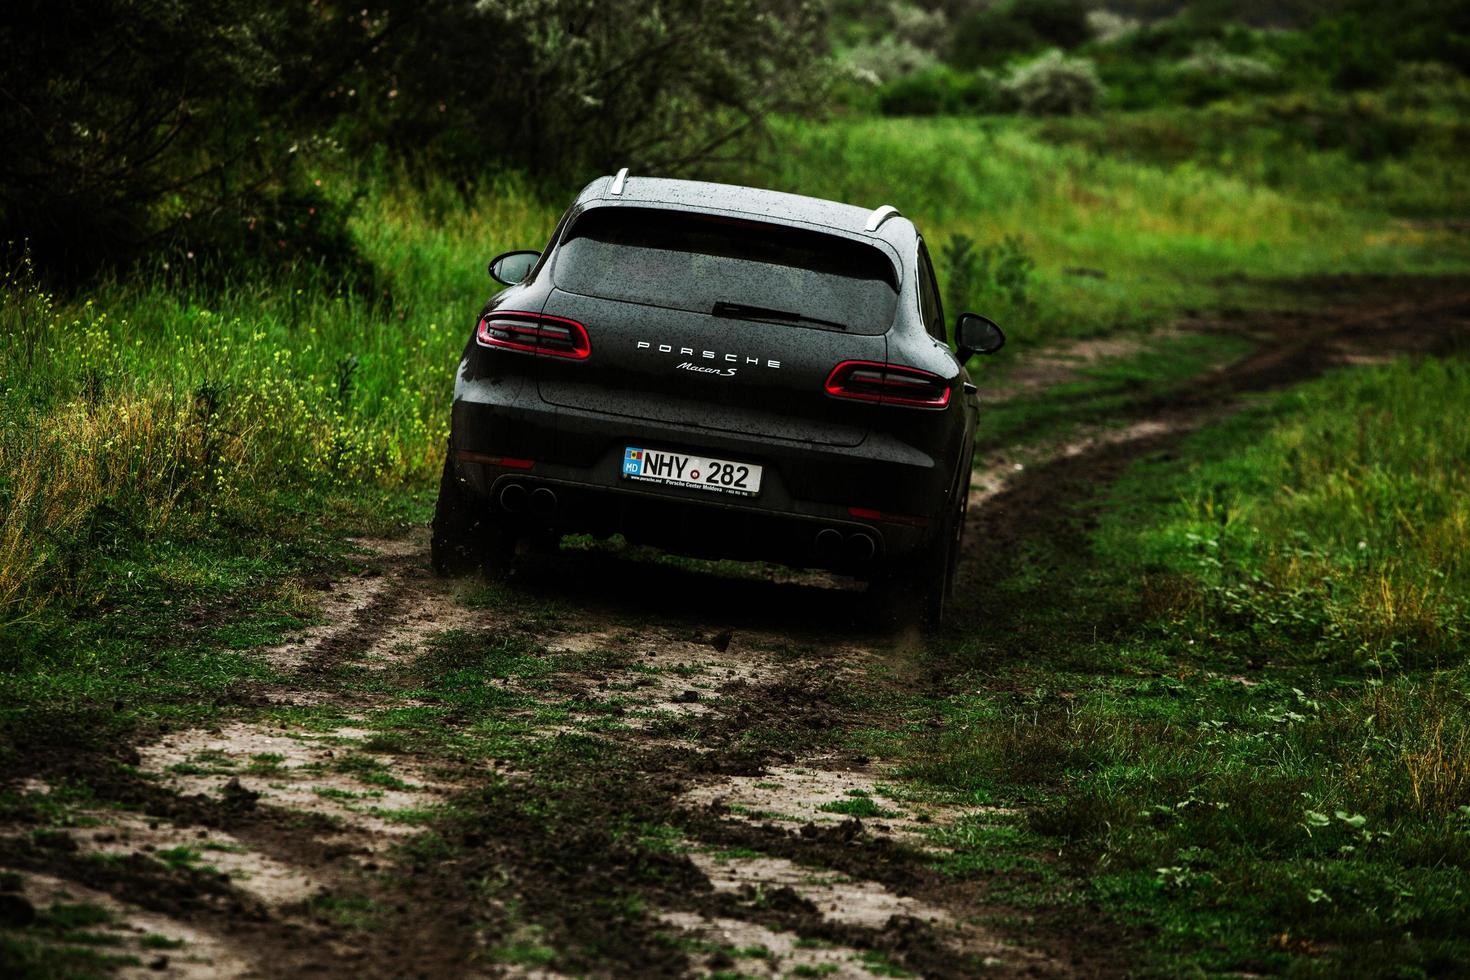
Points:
(869, 514)
(509, 462)
(534, 333)
(887, 384)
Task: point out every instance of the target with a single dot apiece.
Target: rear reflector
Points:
(887, 384)
(867, 514)
(534, 333)
(510, 462)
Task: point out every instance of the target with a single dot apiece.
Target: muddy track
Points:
(361, 815)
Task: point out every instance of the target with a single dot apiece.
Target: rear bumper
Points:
(808, 491)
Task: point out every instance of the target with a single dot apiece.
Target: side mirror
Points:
(976, 334)
(510, 268)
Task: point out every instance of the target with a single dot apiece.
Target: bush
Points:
(924, 29)
(1360, 125)
(564, 87)
(1108, 27)
(887, 60)
(1418, 84)
(993, 35)
(1212, 73)
(940, 91)
(994, 279)
(135, 124)
(124, 120)
(1054, 85)
(1361, 46)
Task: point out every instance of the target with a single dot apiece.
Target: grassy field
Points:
(169, 401)
(1233, 703)
(1240, 712)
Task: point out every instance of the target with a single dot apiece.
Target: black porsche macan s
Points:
(720, 372)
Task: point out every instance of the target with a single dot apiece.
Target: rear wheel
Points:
(937, 571)
(919, 589)
(931, 579)
(463, 536)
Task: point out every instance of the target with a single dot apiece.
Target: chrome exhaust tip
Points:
(543, 502)
(861, 547)
(513, 498)
(828, 543)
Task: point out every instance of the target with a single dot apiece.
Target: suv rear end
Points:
(670, 325)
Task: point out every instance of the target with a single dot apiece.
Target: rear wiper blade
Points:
(744, 311)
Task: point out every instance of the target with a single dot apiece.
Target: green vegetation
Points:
(163, 438)
(858, 804)
(1222, 699)
(1100, 394)
(65, 942)
(1270, 744)
(1070, 56)
(1341, 538)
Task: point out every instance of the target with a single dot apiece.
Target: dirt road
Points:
(617, 764)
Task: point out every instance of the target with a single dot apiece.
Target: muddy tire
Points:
(497, 553)
(936, 573)
(464, 538)
(947, 571)
(451, 544)
(923, 588)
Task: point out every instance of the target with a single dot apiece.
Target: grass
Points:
(1343, 535)
(63, 943)
(1263, 760)
(167, 410)
(1267, 743)
(1143, 239)
(858, 804)
(1098, 392)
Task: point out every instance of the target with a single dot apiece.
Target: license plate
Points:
(695, 472)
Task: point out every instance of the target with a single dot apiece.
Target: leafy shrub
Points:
(992, 35)
(987, 38)
(888, 59)
(561, 87)
(940, 91)
(993, 279)
(1212, 72)
(1426, 74)
(1361, 46)
(129, 125)
(1134, 65)
(124, 119)
(1360, 124)
(1054, 85)
(1418, 84)
(1107, 26)
(924, 29)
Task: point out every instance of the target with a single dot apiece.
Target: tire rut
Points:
(698, 680)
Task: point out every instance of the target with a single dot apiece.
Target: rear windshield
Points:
(698, 262)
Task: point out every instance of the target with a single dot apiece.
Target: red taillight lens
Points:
(887, 384)
(869, 514)
(509, 462)
(535, 333)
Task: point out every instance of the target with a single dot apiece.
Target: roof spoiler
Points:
(879, 216)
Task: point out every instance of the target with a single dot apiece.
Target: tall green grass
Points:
(1343, 534)
(1237, 707)
(175, 400)
(165, 406)
(1118, 240)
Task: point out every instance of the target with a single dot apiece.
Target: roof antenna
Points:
(618, 181)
